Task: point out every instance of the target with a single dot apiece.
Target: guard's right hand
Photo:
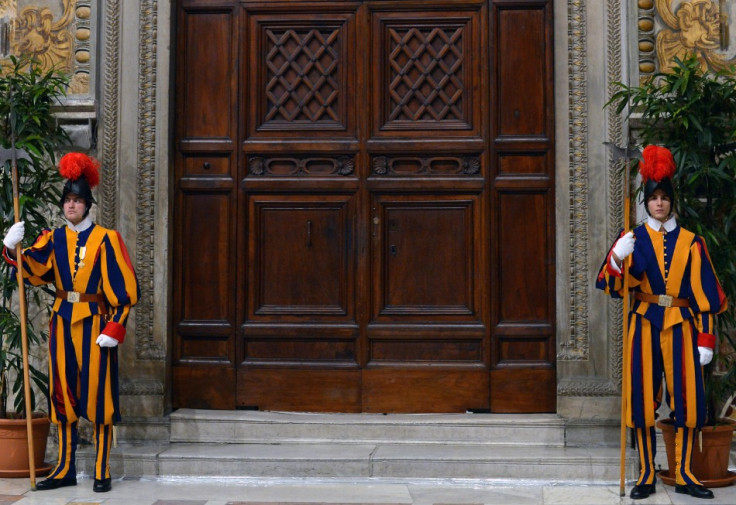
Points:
(624, 246)
(15, 235)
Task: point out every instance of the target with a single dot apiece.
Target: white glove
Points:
(15, 235)
(706, 355)
(624, 246)
(105, 341)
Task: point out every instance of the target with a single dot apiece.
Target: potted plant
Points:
(27, 96)
(692, 112)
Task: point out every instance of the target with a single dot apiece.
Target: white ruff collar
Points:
(83, 225)
(656, 224)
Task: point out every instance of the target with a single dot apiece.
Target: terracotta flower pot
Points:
(709, 465)
(14, 443)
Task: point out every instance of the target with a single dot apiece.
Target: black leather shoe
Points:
(694, 490)
(641, 491)
(102, 485)
(48, 484)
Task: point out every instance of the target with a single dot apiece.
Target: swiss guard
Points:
(676, 296)
(96, 287)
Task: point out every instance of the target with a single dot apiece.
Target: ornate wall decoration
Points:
(141, 387)
(616, 134)
(146, 348)
(81, 81)
(694, 28)
(58, 34)
(576, 347)
(646, 43)
(670, 29)
(46, 39)
(108, 147)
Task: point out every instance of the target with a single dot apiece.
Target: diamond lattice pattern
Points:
(302, 75)
(425, 80)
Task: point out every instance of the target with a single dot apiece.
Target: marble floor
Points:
(236, 491)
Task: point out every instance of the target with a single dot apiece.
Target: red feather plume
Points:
(75, 165)
(657, 163)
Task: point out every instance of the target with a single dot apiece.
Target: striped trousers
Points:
(68, 438)
(684, 445)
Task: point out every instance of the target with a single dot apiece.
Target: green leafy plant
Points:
(693, 113)
(28, 96)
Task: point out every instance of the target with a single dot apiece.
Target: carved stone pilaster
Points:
(576, 348)
(615, 128)
(146, 348)
(109, 202)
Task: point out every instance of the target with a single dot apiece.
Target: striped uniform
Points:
(84, 376)
(665, 340)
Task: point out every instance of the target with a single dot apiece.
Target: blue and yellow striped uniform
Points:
(83, 375)
(665, 340)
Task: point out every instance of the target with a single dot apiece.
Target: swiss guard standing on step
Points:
(676, 296)
(96, 287)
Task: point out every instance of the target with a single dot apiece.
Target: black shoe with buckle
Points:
(641, 491)
(102, 485)
(694, 490)
(48, 484)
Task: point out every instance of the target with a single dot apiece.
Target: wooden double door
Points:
(364, 206)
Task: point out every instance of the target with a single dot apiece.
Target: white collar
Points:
(656, 224)
(83, 225)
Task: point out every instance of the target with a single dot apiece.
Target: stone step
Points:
(396, 461)
(255, 444)
(246, 427)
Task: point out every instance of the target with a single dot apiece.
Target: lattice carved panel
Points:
(303, 76)
(424, 83)
(427, 82)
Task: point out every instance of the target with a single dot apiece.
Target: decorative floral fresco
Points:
(671, 29)
(56, 33)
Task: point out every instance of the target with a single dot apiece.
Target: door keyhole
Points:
(392, 250)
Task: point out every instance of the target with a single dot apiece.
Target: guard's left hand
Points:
(706, 355)
(106, 341)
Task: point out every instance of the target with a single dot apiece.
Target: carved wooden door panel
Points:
(377, 187)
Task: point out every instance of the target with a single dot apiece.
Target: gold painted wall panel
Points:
(57, 33)
(669, 29)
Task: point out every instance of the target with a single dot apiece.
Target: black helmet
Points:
(82, 174)
(665, 185)
(656, 168)
(79, 187)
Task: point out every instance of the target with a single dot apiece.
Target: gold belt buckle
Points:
(665, 301)
(72, 297)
